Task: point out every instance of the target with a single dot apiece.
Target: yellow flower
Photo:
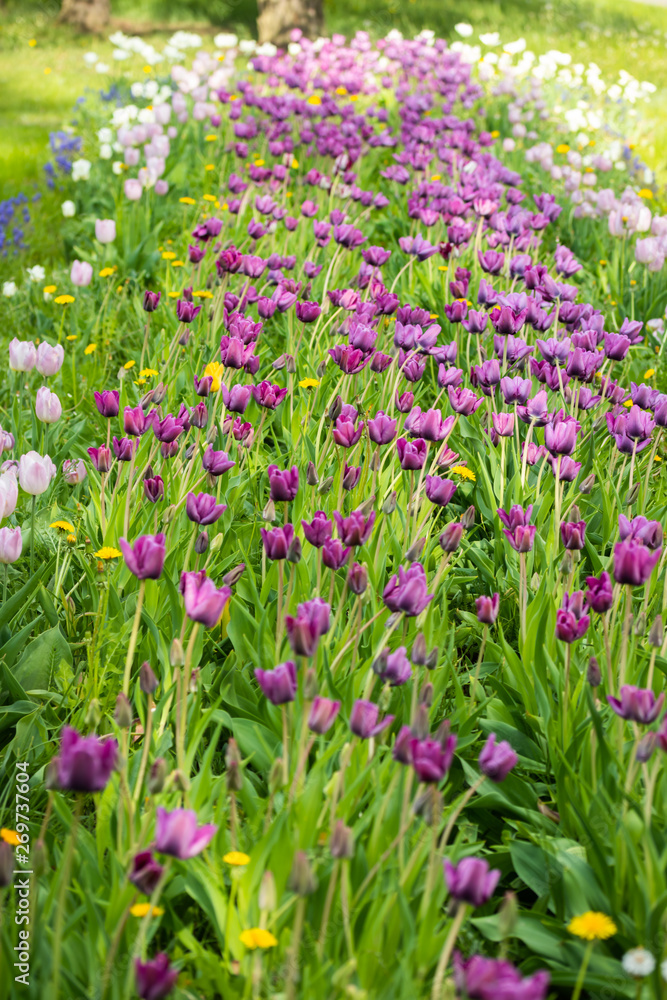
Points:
(436, 177)
(128, 365)
(295, 164)
(563, 148)
(646, 193)
(210, 138)
(10, 837)
(309, 383)
(592, 926)
(71, 336)
(148, 69)
(443, 267)
(173, 295)
(314, 99)
(147, 371)
(63, 525)
(465, 473)
(108, 552)
(210, 166)
(649, 373)
(71, 539)
(259, 162)
(169, 254)
(354, 97)
(342, 91)
(106, 272)
(141, 909)
(203, 294)
(495, 134)
(32, 43)
(258, 937)
(209, 197)
(215, 370)
(47, 70)
(603, 262)
(177, 263)
(49, 289)
(628, 403)
(90, 348)
(236, 858)
(64, 300)
(187, 201)
(433, 316)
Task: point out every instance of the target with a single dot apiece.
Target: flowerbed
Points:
(332, 654)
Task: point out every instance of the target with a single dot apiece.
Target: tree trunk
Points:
(86, 15)
(278, 17)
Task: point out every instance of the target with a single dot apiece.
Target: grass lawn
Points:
(40, 82)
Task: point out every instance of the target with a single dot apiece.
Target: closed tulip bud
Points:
(640, 624)
(357, 578)
(421, 724)
(587, 484)
(655, 636)
(180, 781)
(508, 915)
(335, 409)
(566, 563)
(432, 659)
(342, 841)
(451, 537)
(269, 512)
(123, 712)
(93, 714)
(302, 880)
(389, 505)
(418, 652)
(312, 477)
(267, 897)
(159, 393)
(325, 485)
(290, 364)
(147, 400)
(234, 574)
(157, 776)
(593, 673)
(201, 545)
(428, 805)
(147, 680)
(176, 655)
(413, 554)
(184, 338)
(321, 368)
(294, 550)
(367, 506)
(426, 695)
(631, 495)
(468, 518)
(379, 664)
(645, 747)
(233, 764)
(168, 514)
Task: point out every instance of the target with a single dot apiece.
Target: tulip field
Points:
(332, 638)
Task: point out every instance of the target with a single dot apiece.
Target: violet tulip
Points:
(11, 545)
(145, 558)
(278, 685)
(216, 462)
(471, 881)
(203, 508)
(145, 872)
(177, 833)
(497, 759)
(304, 629)
(204, 602)
(277, 541)
(634, 562)
(84, 763)
(323, 714)
(319, 530)
(637, 704)
(284, 484)
(107, 402)
(364, 719)
(407, 591)
(355, 529)
(487, 608)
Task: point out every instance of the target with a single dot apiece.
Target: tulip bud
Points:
(640, 624)
(189, 451)
(421, 724)
(367, 506)
(123, 712)
(159, 393)
(379, 664)
(389, 505)
(312, 477)
(451, 537)
(40, 857)
(279, 362)
(51, 775)
(468, 518)
(549, 813)
(267, 892)
(428, 805)
(233, 764)
(432, 659)
(426, 695)
(418, 652)
(375, 461)
(655, 636)
(176, 655)
(301, 880)
(185, 336)
(413, 554)
(443, 732)
(325, 485)
(594, 674)
(335, 409)
(211, 435)
(180, 781)
(201, 544)
(147, 680)
(290, 364)
(341, 844)
(294, 550)
(645, 747)
(321, 368)
(575, 513)
(587, 484)
(216, 544)
(157, 776)
(631, 495)
(147, 399)
(269, 512)
(93, 714)
(168, 514)
(508, 915)
(234, 574)
(567, 563)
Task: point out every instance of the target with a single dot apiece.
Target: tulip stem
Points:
(133, 638)
(128, 495)
(283, 710)
(446, 952)
(566, 691)
(444, 840)
(582, 971)
(144, 756)
(185, 684)
(64, 885)
(627, 624)
(293, 954)
(4, 583)
(331, 888)
(473, 693)
(32, 534)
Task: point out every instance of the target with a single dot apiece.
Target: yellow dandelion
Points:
(433, 316)
(106, 272)
(258, 937)
(141, 909)
(216, 371)
(354, 97)
(563, 148)
(210, 138)
(236, 858)
(603, 263)
(646, 193)
(168, 255)
(443, 267)
(657, 459)
(309, 383)
(314, 99)
(63, 525)
(145, 372)
(148, 69)
(592, 926)
(177, 263)
(495, 134)
(32, 43)
(140, 381)
(47, 70)
(436, 177)
(10, 837)
(90, 349)
(649, 373)
(108, 552)
(465, 473)
(628, 403)
(128, 365)
(63, 300)
(71, 539)
(173, 295)
(632, 281)
(71, 336)
(259, 162)
(186, 201)
(49, 289)
(209, 197)
(295, 164)
(210, 166)
(341, 91)
(203, 293)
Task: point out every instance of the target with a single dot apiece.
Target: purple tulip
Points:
(471, 881)
(334, 554)
(304, 630)
(204, 602)
(408, 591)
(634, 562)
(637, 704)
(487, 608)
(177, 833)
(186, 311)
(203, 508)
(237, 398)
(151, 301)
(145, 873)
(107, 402)
(560, 435)
(600, 595)
(355, 529)
(503, 424)
(278, 685)
(268, 395)
(123, 448)
(440, 491)
(481, 978)
(154, 488)
(411, 454)
(430, 759)
(573, 534)
(277, 541)
(497, 759)
(154, 978)
(382, 429)
(84, 763)
(345, 433)
(464, 401)
(216, 462)
(395, 668)
(571, 622)
(357, 578)
(518, 530)
(284, 484)
(364, 719)
(307, 312)
(145, 558)
(640, 529)
(323, 714)
(319, 530)
(136, 422)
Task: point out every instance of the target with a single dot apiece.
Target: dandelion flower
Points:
(108, 552)
(49, 289)
(168, 255)
(638, 962)
(210, 138)
(563, 148)
(216, 371)
(145, 372)
(314, 99)
(128, 365)
(90, 349)
(106, 272)
(592, 926)
(236, 858)
(258, 937)
(70, 336)
(649, 373)
(309, 383)
(141, 909)
(10, 837)
(648, 194)
(465, 473)
(63, 525)
(63, 300)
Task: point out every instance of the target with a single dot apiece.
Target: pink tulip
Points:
(105, 230)
(47, 406)
(22, 355)
(81, 274)
(11, 544)
(35, 473)
(49, 359)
